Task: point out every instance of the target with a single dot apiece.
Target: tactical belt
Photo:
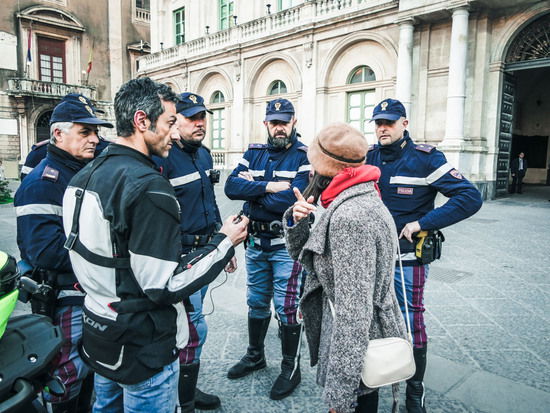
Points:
(264, 227)
(194, 241)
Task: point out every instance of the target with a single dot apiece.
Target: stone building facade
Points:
(45, 50)
(473, 74)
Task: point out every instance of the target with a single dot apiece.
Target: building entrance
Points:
(525, 105)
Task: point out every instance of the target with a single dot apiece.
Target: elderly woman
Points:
(349, 256)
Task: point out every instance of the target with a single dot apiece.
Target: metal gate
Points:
(505, 134)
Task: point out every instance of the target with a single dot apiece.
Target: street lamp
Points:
(268, 5)
(207, 29)
(234, 20)
(161, 46)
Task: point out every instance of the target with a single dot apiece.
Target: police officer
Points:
(412, 175)
(39, 149)
(264, 179)
(40, 237)
(189, 167)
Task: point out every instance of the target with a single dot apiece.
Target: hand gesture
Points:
(274, 187)
(231, 265)
(302, 207)
(246, 175)
(235, 231)
(410, 229)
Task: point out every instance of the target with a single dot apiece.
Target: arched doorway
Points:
(524, 120)
(43, 126)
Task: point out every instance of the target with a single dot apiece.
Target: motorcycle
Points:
(28, 344)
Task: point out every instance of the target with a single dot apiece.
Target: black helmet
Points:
(8, 274)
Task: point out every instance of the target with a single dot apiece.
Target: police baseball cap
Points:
(279, 109)
(77, 108)
(389, 109)
(190, 104)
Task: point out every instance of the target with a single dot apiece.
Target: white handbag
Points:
(388, 360)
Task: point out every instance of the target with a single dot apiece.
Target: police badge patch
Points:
(193, 99)
(456, 174)
(405, 191)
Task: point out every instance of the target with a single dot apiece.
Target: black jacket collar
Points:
(396, 149)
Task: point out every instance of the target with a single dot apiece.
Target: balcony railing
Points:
(143, 15)
(306, 13)
(38, 88)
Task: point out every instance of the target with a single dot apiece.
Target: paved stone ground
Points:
(487, 301)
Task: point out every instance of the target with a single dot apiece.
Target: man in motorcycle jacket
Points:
(122, 222)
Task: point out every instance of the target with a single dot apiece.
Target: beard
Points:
(281, 140)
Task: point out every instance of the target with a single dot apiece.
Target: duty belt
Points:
(188, 240)
(273, 228)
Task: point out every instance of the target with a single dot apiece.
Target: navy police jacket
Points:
(412, 175)
(266, 164)
(38, 208)
(188, 170)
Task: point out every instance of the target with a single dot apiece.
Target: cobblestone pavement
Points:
(487, 302)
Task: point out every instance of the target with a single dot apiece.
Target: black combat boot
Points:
(290, 375)
(254, 359)
(415, 386)
(186, 387)
(205, 401)
(367, 403)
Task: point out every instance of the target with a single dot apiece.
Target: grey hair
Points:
(62, 126)
(140, 94)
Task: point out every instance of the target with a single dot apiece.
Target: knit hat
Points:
(337, 146)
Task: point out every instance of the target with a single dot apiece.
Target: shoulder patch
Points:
(456, 174)
(423, 147)
(302, 148)
(257, 146)
(50, 174)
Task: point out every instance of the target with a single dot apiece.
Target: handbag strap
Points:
(408, 322)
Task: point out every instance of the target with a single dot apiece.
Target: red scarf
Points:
(349, 177)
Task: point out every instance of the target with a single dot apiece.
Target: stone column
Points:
(456, 92)
(237, 141)
(115, 46)
(404, 64)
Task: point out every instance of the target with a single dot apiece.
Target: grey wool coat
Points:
(349, 257)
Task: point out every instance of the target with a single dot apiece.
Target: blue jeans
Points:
(273, 275)
(158, 394)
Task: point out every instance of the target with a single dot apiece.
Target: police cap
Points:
(190, 104)
(389, 109)
(77, 108)
(279, 109)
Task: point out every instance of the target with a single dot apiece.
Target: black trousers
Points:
(517, 181)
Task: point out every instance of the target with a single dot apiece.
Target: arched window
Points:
(361, 74)
(217, 121)
(43, 126)
(277, 87)
(532, 42)
(217, 97)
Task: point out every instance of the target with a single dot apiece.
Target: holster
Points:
(43, 302)
(428, 246)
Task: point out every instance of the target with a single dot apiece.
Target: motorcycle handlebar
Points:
(24, 393)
